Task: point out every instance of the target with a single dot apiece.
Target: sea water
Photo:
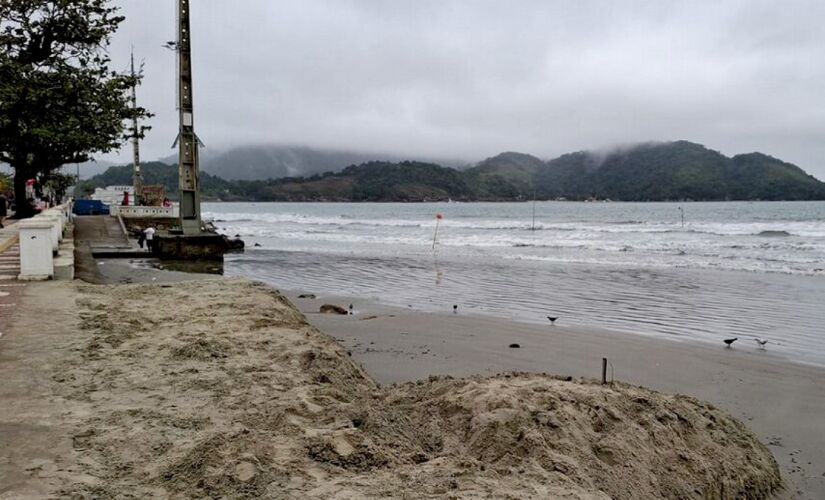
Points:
(689, 271)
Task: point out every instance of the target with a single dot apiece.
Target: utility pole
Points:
(190, 203)
(137, 177)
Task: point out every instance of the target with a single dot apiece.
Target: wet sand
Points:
(782, 402)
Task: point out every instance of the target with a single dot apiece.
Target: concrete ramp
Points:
(105, 237)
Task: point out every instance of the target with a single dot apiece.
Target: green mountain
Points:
(507, 175)
(759, 176)
(678, 170)
(372, 181)
(274, 161)
(654, 171)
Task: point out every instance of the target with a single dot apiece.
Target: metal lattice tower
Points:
(190, 206)
(137, 177)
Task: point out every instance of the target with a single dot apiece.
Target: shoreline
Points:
(780, 400)
(743, 350)
(697, 305)
(744, 346)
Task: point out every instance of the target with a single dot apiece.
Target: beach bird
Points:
(730, 341)
(761, 342)
(350, 308)
(552, 319)
(455, 308)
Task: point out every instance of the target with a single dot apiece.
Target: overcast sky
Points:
(469, 79)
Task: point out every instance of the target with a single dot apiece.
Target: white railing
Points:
(141, 211)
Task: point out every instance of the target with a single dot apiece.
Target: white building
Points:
(113, 195)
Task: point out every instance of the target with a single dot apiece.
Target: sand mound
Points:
(221, 389)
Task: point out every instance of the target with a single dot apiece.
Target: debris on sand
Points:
(332, 309)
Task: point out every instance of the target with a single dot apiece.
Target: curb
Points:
(123, 227)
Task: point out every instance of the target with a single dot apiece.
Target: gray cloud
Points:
(473, 78)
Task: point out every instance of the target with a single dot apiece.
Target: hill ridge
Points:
(650, 171)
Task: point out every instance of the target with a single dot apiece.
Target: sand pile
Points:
(221, 389)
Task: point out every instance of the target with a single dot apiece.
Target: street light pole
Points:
(137, 177)
(190, 210)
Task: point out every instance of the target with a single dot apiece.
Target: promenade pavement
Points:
(11, 290)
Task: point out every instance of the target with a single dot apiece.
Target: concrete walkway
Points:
(37, 455)
(10, 289)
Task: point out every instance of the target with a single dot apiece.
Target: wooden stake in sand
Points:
(604, 371)
(438, 218)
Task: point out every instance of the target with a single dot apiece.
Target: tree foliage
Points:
(58, 182)
(59, 100)
(405, 181)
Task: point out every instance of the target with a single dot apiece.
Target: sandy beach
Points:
(221, 388)
(782, 402)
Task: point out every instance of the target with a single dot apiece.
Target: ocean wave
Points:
(650, 245)
(541, 245)
(626, 226)
(773, 233)
(728, 263)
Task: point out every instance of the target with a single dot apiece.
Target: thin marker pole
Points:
(604, 371)
(438, 218)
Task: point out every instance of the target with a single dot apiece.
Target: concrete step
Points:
(64, 267)
(64, 261)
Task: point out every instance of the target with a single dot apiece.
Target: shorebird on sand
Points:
(761, 342)
(552, 319)
(350, 308)
(730, 341)
(455, 308)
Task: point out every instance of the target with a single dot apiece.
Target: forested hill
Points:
(675, 171)
(273, 161)
(648, 172)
